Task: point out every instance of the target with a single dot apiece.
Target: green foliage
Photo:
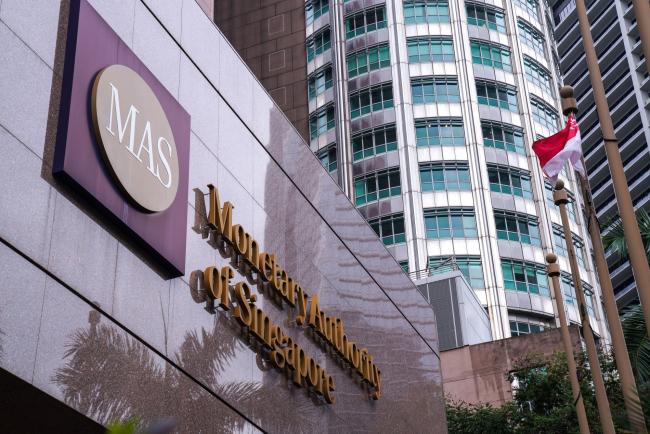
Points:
(638, 347)
(615, 238)
(481, 418)
(129, 426)
(633, 322)
(638, 344)
(543, 396)
(542, 402)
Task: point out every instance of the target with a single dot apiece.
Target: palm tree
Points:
(614, 239)
(638, 343)
(633, 321)
(95, 354)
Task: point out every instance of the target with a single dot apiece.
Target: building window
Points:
(327, 157)
(531, 37)
(537, 74)
(572, 206)
(548, 190)
(509, 180)
(484, 16)
(314, 9)
(371, 100)
(404, 265)
(390, 229)
(426, 11)
(453, 176)
(318, 43)
(369, 59)
(365, 21)
(563, 9)
(502, 136)
(517, 227)
(321, 120)
(497, 95)
(558, 241)
(569, 291)
(524, 277)
(543, 114)
(429, 90)
(450, 223)
(470, 266)
(374, 142)
(376, 186)
(319, 82)
(525, 327)
(430, 49)
(530, 6)
(497, 56)
(589, 298)
(434, 132)
(561, 248)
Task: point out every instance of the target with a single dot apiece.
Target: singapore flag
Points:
(554, 151)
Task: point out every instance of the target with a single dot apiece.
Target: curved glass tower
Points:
(425, 112)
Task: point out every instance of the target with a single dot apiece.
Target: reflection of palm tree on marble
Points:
(97, 355)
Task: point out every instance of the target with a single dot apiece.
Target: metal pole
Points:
(642, 15)
(621, 356)
(343, 141)
(553, 270)
(625, 207)
(560, 198)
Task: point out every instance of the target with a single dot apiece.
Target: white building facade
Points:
(425, 112)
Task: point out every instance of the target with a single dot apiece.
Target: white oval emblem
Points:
(135, 137)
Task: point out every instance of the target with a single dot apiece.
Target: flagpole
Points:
(624, 200)
(621, 355)
(628, 384)
(560, 198)
(642, 15)
(553, 271)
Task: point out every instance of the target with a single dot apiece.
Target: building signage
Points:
(271, 279)
(123, 144)
(135, 137)
(123, 141)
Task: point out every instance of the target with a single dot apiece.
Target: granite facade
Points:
(270, 36)
(88, 320)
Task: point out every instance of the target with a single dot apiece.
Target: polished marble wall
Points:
(270, 37)
(87, 320)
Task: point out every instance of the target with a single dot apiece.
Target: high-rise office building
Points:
(425, 112)
(627, 86)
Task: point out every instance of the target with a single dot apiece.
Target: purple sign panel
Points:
(123, 140)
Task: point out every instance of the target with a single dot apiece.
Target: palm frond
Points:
(87, 380)
(614, 239)
(643, 218)
(638, 343)
(206, 353)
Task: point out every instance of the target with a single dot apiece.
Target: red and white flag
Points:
(554, 151)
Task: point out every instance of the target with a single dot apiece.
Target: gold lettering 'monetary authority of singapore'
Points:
(263, 270)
